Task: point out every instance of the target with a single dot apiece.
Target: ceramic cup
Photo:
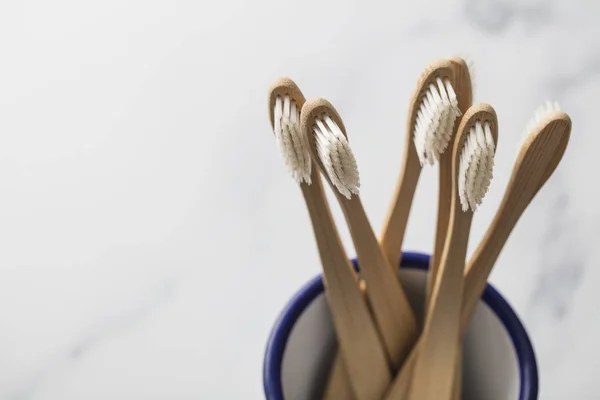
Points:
(498, 359)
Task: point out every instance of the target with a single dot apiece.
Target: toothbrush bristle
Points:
(435, 120)
(540, 117)
(292, 144)
(335, 154)
(476, 166)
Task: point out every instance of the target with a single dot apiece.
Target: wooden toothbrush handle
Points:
(476, 275)
(485, 256)
(359, 344)
(394, 225)
(457, 391)
(381, 276)
(338, 386)
(441, 332)
(443, 219)
(388, 302)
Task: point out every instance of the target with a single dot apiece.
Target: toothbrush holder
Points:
(498, 359)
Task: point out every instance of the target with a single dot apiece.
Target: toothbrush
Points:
(547, 138)
(472, 164)
(332, 154)
(433, 110)
(365, 359)
(464, 96)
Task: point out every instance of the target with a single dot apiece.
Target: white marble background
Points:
(150, 234)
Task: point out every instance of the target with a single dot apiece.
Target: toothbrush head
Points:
(474, 150)
(285, 102)
(548, 133)
(325, 132)
(434, 111)
(545, 113)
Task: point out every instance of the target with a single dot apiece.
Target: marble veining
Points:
(562, 261)
(560, 274)
(495, 16)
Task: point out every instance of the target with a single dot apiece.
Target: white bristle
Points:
(292, 144)
(540, 117)
(336, 156)
(435, 120)
(475, 166)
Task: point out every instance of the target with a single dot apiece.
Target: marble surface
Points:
(150, 232)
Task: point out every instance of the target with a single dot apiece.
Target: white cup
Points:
(498, 358)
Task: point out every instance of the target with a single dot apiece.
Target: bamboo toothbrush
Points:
(547, 138)
(433, 109)
(464, 95)
(363, 354)
(389, 306)
(545, 143)
(472, 164)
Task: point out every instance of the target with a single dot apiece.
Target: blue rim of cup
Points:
(528, 371)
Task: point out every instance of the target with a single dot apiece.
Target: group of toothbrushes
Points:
(382, 354)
